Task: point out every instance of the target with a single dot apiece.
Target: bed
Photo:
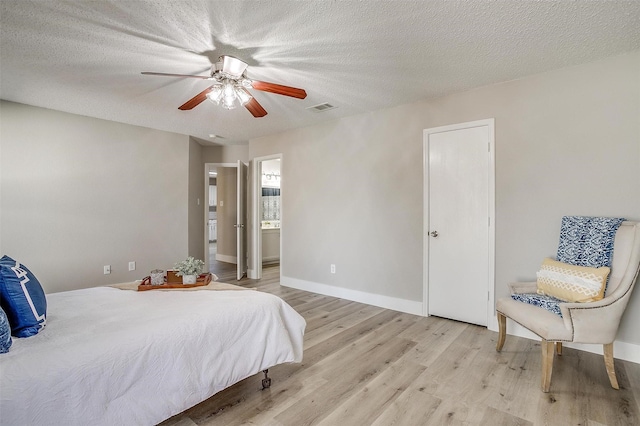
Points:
(109, 356)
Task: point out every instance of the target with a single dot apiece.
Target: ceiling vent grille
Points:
(321, 107)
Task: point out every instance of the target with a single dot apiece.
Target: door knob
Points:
(433, 233)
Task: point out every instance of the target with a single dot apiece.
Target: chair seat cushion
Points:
(549, 303)
(542, 322)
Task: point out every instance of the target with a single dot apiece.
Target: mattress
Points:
(110, 356)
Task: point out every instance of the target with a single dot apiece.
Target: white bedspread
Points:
(114, 357)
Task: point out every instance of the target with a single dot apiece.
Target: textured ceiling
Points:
(85, 57)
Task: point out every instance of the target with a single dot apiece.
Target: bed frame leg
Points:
(266, 382)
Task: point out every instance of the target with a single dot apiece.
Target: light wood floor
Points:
(371, 366)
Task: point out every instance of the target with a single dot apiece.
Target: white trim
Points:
(387, 302)
(490, 124)
(256, 226)
(227, 258)
(255, 270)
(621, 350)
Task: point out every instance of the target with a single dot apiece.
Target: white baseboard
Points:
(621, 350)
(387, 302)
(227, 258)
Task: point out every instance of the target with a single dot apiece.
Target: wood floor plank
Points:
(373, 399)
(457, 412)
(318, 317)
(515, 380)
(500, 418)
(261, 408)
(339, 303)
(321, 301)
(331, 329)
(343, 381)
(632, 372)
(335, 343)
(412, 407)
(453, 371)
(437, 335)
(424, 326)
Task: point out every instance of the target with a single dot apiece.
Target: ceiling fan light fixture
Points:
(228, 89)
(226, 93)
(233, 66)
(231, 83)
(215, 94)
(243, 96)
(228, 102)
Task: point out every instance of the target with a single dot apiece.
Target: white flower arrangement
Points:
(190, 266)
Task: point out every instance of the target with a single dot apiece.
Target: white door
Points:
(458, 243)
(241, 219)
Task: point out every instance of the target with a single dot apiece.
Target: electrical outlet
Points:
(132, 266)
(333, 268)
(107, 269)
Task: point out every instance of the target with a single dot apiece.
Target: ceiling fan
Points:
(230, 87)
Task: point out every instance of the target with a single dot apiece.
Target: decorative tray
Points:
(202, 280)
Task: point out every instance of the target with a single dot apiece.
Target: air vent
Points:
(321, 107)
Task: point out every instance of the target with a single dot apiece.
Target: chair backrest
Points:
(626, 257)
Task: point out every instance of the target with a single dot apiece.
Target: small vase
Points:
(189, 279)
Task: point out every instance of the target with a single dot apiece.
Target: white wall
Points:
(79, 193)
(567, 143)
(225, 154)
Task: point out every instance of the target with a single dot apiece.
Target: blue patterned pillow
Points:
(22, 298)
(549, 303)
(587, 241)
(5, 333)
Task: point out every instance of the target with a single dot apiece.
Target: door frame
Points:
(256, 223)
(242, 181)
(207, 167)
(490, 123)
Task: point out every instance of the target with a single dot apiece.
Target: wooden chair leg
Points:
(559, 348)
(608, 362)
(547, 364)
(502, 330)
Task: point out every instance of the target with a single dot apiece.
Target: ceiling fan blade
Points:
(279, 89)
(196, 100)
(255, 108)
(204, 77)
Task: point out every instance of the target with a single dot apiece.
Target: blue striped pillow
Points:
(22, 298)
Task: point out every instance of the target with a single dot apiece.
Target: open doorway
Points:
(267, 214)
(270, 207)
